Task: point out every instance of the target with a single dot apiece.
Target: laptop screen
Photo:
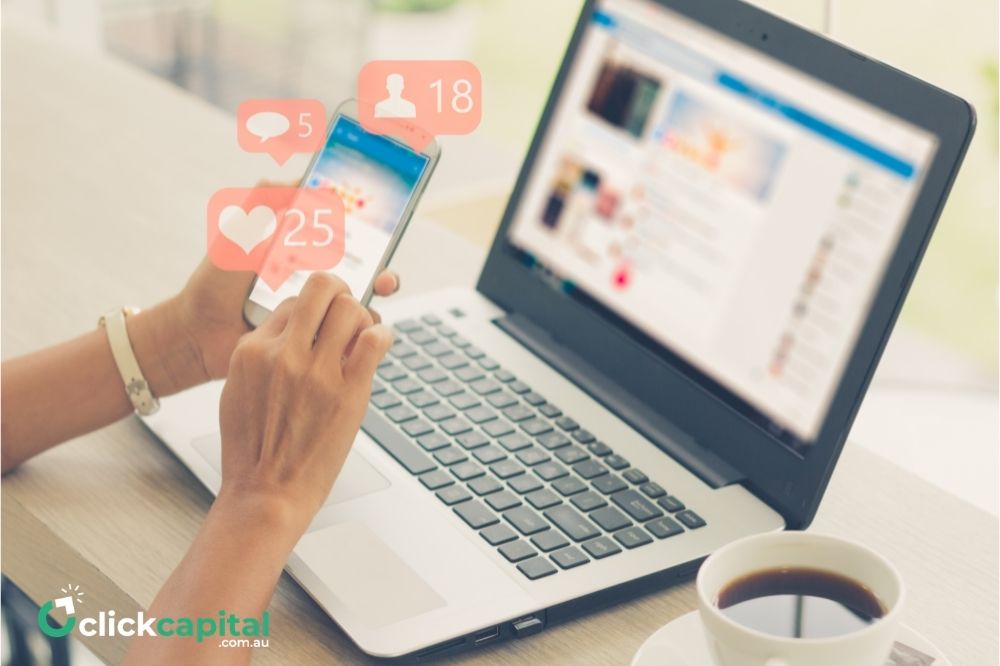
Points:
(732, 209)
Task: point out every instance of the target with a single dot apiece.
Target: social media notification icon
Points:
(281, 127)
(275, 231)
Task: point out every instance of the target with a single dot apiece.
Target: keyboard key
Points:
(567, 424)
(448, 388)
(391, 373)
(469, 373)
(433, 441)
(515, 442)
(488, 363)
(570, 521)
(589, 501)
(446, 331)
(474, 352)
(436, 479)
(475, 514)
(503, 500)
(550, 410)
(590, 469)
(525, 520)
(567, 558)
(484, 485)
(489, 454)
(662, 528)
(377, 387)
(504, 376)
(437, 349)
(536, 568)
(484, 386)
(635, 476)
(463, 400)
(536, 427)
(498, 428)
(453, 495)
(599, 449)
(452, 361)
(416, 362)
(422, 336)
(569, 486)
(635, 505)
(616, 462)
(432, 375)
(439, 412)
(534, 398)
(570, 454)
(407, 325)
(395, 444)
(549, 540)
(400, 413)
(690, 519)
(459, 341)
(554, 440)
(633, 537)
(517, 551)
(450, 455)
(671, 504)
(601, 547)
(583, 436)
(518, 413)
(610, 519)
(609, 484)
(653, 490)
(532, 456)
(423, 399)
(524, 483)
(401, 350)
(456, 426)
(431, 319)
(551, 471)
(467, 470)
(498, 534)
(501, 399)
(506, 469)
(519, 387)
(385, 400)
(417, 428)
(480, 414)
(542, 499)
(471, 440)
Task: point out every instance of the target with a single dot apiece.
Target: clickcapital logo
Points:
(107, 623)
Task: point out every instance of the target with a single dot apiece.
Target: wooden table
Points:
(106, 173)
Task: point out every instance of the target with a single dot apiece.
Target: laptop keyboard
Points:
(534, 482)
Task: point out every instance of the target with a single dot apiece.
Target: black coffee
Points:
(800, 603)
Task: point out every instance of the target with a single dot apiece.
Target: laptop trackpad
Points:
(362, 572)
(357, 478)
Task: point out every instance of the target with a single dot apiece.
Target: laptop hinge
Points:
(703, 463)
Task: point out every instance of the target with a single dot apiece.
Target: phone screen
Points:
(376, 178)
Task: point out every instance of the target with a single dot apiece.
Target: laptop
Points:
(701, 261)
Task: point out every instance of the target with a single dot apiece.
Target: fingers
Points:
(344, 320)
(277, 320)
(369, 349)
(311, 306)
(386, 283)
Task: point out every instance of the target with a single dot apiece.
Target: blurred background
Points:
(933, 406)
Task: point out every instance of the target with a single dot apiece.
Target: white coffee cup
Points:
(733, 644)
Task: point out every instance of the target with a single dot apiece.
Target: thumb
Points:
(369, 349)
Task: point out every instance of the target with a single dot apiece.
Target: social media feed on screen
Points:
(375, 177)
(731, 209)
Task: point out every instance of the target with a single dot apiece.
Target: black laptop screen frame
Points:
(790, 482)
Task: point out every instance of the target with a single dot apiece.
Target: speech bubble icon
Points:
(416, 100)
(275, 231)
(267, 125)
(281, 127)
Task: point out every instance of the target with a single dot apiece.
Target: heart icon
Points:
(248, 230)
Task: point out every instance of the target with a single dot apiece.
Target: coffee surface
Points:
(800, 603)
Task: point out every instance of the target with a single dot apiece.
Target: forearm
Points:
(62, 392)
(232, 566)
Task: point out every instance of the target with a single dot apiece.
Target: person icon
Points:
(395, 106)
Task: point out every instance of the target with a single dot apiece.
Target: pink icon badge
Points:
(275, 231)
(417, 100)
(281, 127)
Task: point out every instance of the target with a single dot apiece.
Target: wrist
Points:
(275, 515)
(167, 355)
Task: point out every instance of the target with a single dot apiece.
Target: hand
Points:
(296, 392)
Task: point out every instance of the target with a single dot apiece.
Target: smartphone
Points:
(379, 178)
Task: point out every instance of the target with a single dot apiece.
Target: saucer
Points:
(682, 643)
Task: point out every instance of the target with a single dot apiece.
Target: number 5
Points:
(305, 127)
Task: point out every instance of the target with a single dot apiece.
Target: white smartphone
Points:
(379, 178)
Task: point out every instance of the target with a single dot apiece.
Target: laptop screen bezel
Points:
(790, 482)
